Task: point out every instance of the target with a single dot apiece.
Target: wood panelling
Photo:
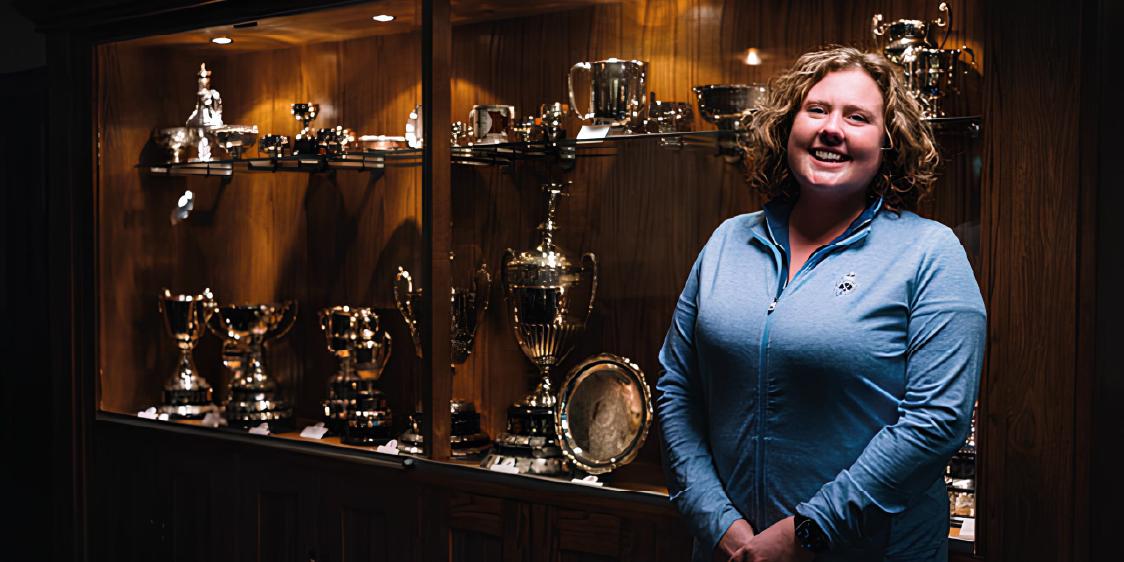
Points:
(1031, 209)
(648, 210)
(322, 239)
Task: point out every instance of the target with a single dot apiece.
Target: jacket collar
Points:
(772, 228)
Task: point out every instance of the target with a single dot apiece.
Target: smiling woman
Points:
(817, 379)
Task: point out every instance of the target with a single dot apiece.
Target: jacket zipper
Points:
(781, 260)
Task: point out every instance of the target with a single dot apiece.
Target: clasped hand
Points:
(775, 544)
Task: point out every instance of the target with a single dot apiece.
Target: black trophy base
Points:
(184, 404)
(466, 442)
(369, 429)
(530, 444)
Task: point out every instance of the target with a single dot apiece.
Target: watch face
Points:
(809, 535)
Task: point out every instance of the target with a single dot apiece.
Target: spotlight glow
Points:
(383, 18)
(752, 57)
(222, 40)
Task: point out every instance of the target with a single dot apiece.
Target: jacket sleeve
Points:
(946, 334)
(693, 483)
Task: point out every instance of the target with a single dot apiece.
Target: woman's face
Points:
(835, 146)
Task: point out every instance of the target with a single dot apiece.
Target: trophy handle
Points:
(945, 22)
(508, 255)
(971, 53)
(877, 28)
(288, 318)
(403, 288)
(482, 287)
(570, 82)
(592, 259)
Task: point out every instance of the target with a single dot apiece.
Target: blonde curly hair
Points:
(909, 165)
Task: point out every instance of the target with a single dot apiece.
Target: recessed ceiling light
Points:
(222, 40)
(383, 18)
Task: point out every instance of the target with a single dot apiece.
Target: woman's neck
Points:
(817, 219)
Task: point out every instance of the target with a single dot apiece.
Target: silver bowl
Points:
(175, 140)
(235, 138)
(727, 105)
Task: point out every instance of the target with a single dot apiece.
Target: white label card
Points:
(968, 529)
(390, 448)
(262, 429)
(590, 480)
(213, 419)
(593, 132)
(317, 431)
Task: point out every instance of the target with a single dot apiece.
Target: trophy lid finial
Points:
(554, 191)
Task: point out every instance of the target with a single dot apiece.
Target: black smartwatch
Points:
(809, 535)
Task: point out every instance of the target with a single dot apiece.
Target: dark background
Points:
(25, 390)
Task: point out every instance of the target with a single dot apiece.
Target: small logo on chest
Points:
(846, 284)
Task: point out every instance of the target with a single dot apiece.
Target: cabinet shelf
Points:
(355, 161)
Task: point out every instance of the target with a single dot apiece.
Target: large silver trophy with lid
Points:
(549, 300)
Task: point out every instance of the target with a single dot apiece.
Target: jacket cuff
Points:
(720, 524)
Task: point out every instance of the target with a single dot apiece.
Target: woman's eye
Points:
(860, 118)
(816, 109)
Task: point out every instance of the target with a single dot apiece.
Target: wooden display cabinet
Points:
(337, 236)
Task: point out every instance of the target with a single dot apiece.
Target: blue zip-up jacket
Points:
(839, 395)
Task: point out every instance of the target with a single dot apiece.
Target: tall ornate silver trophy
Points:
(469, 301)
(549, 299)
(356, 409)
(246, 330)
(206, 116)
(186, 394)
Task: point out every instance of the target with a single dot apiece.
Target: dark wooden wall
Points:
(1040, 189)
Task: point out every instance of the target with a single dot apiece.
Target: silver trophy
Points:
(186, 394)
(929, 70)
(235, 138)
(549, 300)
(491, 124)
(356, 409)
(728, 105)
(618, 91)
(305, 142)
(246, 331)
(468, 303)
(175, 140)
(206, 116)
(904, 35)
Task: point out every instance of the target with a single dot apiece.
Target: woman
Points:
(824, 356)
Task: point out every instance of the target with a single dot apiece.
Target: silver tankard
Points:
(618, 91)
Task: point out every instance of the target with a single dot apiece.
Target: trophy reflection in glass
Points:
(549, 300)
(469, 302)
(186, 395)
(356, 409)
(246, 330)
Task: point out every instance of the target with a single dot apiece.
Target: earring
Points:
(889, 140)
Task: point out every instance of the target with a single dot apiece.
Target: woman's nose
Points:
(830, 130)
